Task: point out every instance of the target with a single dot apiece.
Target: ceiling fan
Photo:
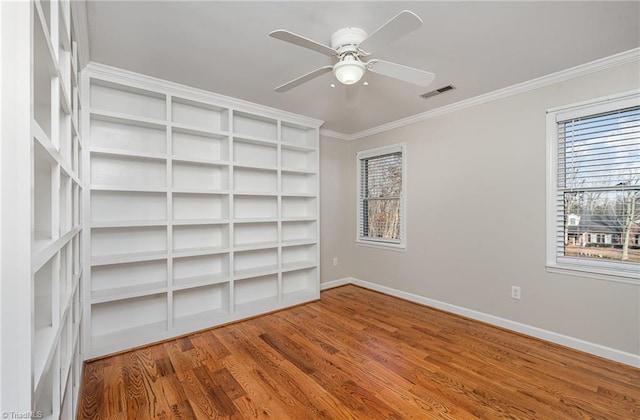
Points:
(349, 46)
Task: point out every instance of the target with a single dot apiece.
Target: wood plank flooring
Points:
(358, 354)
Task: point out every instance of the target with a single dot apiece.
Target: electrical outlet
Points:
(515, 292)
(335, 261)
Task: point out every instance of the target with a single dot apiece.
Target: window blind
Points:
(380, 197)
(598, 187)
(600, 150)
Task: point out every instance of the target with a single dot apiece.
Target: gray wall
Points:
(476, 217)
(337, 214)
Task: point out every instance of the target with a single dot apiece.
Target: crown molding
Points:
(335, 135)
(117, 75)
(560, 76)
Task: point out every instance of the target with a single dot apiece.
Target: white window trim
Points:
(602, 270)
(377, 243)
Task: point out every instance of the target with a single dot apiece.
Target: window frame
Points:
(401, 245)
(599, 269)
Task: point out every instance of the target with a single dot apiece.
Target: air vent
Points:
(437, 91)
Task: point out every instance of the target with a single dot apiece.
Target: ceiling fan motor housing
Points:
(346, 40)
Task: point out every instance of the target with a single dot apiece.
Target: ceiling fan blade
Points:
(354, 94)
(397, 27)
(302, 42)
(300, 80)
(400, 72)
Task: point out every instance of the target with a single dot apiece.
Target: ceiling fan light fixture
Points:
(349, 70)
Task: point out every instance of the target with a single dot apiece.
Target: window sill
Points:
(594, 273)
(382, 245)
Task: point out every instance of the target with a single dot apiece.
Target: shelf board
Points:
(126, 119)
(192, 222)
(182, 283)
(257, 167)
(66, 371)
(52, 152)
(66, 301)
(256, 220)
(126, 153)
(293, 146)
(299, 265)
(43, 349)
(52, 62)
(41, 256)
(127, 292)
(193, 252)
(299, 171)
(256, 193)
(127, 258)
(300, 219)
(297, 242)
(199, 191)
(254, 139)
(128, 223)
(126, 188)
(76, 279)
(68, 171)
(255, 246)
(66, 97)
(211, 162)
(198, 131)
(255, 272)
(76, 333)
(40, 242)
(287, 194)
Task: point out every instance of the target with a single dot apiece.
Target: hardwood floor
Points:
(358, 354)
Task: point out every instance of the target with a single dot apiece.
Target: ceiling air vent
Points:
(437, 91)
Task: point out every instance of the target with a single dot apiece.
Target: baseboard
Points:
(337, 283)
(574, 343)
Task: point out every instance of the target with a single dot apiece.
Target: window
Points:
(381, 192)
(593, 202)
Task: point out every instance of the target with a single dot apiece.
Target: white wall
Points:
(476, 217)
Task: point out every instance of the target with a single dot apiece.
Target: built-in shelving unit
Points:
(57, 274)
(201, 209)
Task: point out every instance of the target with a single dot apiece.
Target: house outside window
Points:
(593, 188)
(381, 196)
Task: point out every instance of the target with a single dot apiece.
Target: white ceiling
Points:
(477, 46)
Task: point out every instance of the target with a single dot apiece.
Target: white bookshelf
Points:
(50, 271)
(201, 209)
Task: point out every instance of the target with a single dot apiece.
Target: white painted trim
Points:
(336, 135)
(624, 272)
(561, 339)
(381, 245)
(336, 283)
(560, 76)
(378, 151)
(16, 287)
(596, 106)
(81, 29)
(116, 75)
